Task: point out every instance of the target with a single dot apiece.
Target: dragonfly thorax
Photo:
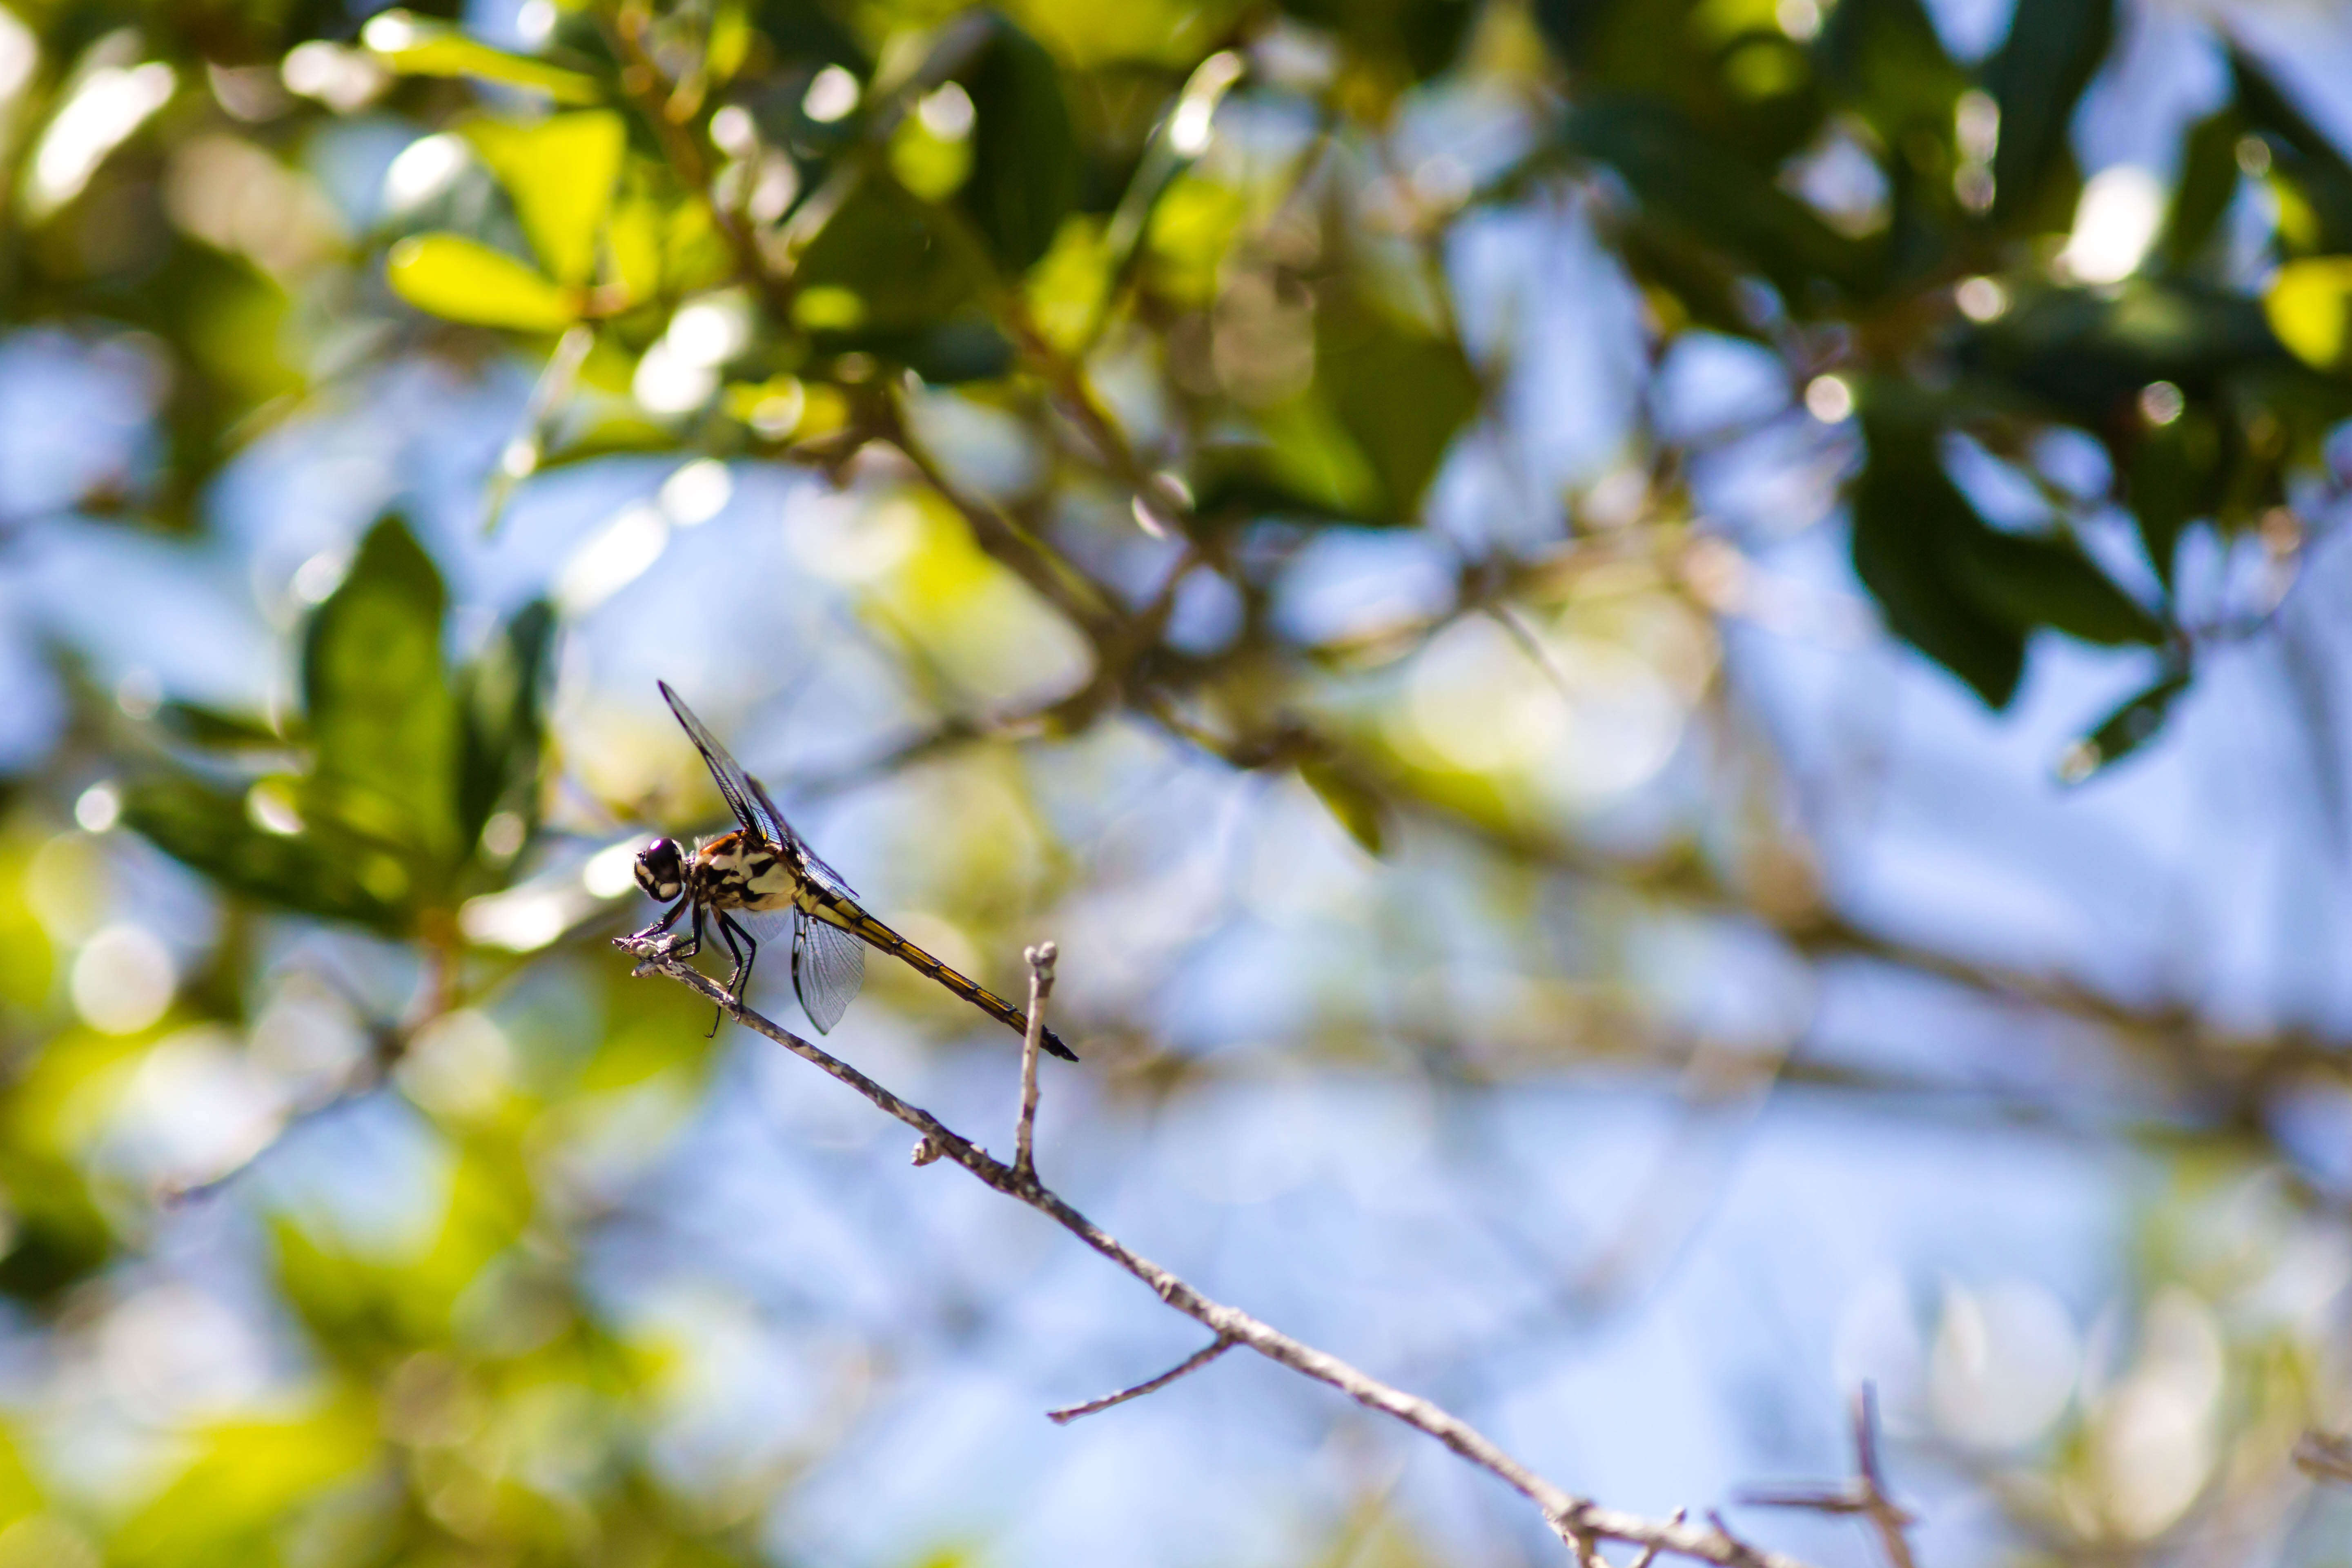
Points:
(736, 870)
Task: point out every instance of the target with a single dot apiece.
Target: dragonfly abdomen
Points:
(857, 922)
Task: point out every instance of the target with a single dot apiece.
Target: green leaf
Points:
(2124, 730)
(881, 253)
(2045, 579)
(2206, 186)
(415, 47)
(382, 720)
(61, 1234)
(1024, 164)
(2174, 477)
(561, 173)
(1355, 808)
(1686, 177)
(2304, 162)
(499, 706)
(1884, 59)
(246, 1479)
(806, 32)
(2086, 354)
(2309, 306)
(1408, 39)
(1960, 591)
(463, 280)
(208, 829)
(2053, 50)
(1403, 392)
(1905, 510)
(218, 729)
(1303, 462)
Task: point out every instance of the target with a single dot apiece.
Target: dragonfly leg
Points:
(694, 945)
(731, 933)
(671, 948)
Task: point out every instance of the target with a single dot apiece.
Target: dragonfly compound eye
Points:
(661, 869)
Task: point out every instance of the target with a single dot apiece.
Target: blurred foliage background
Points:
(1664, 668)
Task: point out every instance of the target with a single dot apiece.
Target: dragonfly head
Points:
(661, 869)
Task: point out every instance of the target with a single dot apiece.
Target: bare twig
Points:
(1864, 1495)
(1190, 1363)
(1041, 985)
(1566, 1514)
(1650, 1552)
(2323, 1455)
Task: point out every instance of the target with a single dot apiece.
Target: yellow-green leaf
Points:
(415, 47)
(2310, 307)
(561, 173)
(633, 241)
(1355, 808)
(464, 280)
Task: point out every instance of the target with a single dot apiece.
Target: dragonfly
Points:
(761, 881)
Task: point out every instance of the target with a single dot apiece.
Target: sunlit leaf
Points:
(415, 47)
(498, 699)
(561, 173)
(882, 251)
(61, 1236)
(1302, 462)
(1403, 392)
(463, 280)
(1355, 808)
(221, 730)
(247, 1476)
(2309, 306)
(383, 724)
(212, 830)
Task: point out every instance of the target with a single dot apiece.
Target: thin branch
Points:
(2323, 1455)
(1650, 1552)
(1041, 985)
(1865, 1495)
(1190, 1363)
(1566, 1514)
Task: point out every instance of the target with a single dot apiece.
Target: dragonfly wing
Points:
(823, 875)
(745, 798)
(828, 971)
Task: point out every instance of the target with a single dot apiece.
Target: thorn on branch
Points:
(1190, 1363)
(1650, 1552)
(1735, 1549)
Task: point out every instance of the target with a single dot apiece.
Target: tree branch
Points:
(1864, 1495)
(1568, 1516)
(1041, 985)
(1190, 1363)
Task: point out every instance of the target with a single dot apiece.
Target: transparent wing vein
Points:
(828, 970)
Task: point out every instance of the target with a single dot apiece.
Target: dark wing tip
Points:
(1053, 1043)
